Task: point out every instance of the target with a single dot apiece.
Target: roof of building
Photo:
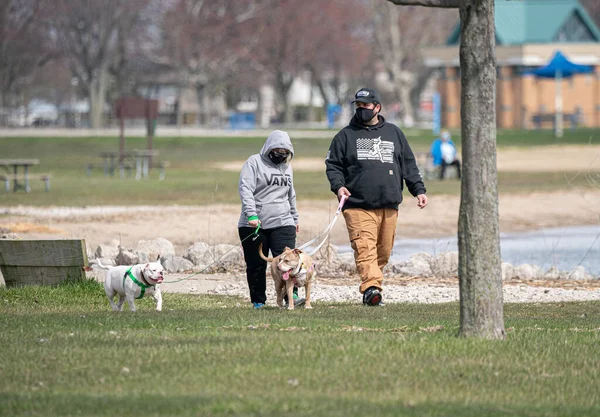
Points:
(521, 22)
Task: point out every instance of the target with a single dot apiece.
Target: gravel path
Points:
(428, 291)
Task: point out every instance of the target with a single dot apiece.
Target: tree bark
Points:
(479, 262)
(479, 270)
(97, 90)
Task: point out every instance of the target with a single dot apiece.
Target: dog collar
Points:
(140, 284)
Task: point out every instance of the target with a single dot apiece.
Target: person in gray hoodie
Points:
(268, 199)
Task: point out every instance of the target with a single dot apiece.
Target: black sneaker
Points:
(372, 297)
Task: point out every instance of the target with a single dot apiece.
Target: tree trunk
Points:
(97, 90)
(479, 270)
(408, 117)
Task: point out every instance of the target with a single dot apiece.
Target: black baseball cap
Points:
(366, 95)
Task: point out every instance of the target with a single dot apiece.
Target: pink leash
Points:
(325, 233)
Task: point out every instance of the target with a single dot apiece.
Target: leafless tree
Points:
(23, 46)
(399, 35)
(337, 48)
(202, 41)
(480, 275)
(87, 34)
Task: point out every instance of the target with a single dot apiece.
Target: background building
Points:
(528, 33)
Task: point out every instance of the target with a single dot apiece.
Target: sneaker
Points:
(258, 305)
(372, 297)
(298, 301)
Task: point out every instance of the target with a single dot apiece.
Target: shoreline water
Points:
(564, 248)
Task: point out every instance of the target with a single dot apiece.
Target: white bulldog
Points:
(132, 282)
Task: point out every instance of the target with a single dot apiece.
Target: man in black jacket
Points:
(369, 161)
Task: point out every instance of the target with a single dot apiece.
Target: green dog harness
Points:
(140, 284)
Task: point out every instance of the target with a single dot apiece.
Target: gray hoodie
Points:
(266, 189)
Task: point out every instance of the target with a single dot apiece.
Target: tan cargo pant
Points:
(371, 234)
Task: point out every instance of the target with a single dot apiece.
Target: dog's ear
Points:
(158, 257)
(286, 249)
(147, 265)
(298, 251)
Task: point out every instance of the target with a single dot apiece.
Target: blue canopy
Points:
(559, 64)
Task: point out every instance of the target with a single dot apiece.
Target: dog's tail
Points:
(100, 264)
(260, 252)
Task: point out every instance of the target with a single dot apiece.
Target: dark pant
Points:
(455, 163)
(256, 268)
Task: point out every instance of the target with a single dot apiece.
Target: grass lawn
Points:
(65, 354)
(194, 178)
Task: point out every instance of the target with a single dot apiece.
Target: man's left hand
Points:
(421, 201)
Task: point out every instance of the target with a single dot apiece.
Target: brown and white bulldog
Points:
(293, 267)
(131, 282)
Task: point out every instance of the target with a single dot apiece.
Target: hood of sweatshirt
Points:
(276, 139)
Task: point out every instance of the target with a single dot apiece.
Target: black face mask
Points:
(364, 115)
(278, 157)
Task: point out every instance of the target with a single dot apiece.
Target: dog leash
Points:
(327, 231)
(253, 235)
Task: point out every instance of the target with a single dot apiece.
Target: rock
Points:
(108, 261)
(221, 257)
(526, 271)
(445, 265)
(198, 253)
(579, 274)
(227, 257)
(126, 257)
(347, 262)
(173, 263)
(418, 265)
(508, 271)
(107, 250)
(150, 250)
(328, 262)
(554, 273)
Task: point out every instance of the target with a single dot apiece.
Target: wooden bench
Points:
(539, 120)
(8, 178)
(162, 166)
(128, 169)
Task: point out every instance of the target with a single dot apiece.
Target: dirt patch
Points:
(29, 228)
(573, 158)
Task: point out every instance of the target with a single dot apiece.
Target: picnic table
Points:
(17, 172)
(127, 160)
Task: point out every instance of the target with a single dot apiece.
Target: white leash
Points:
(325, 234)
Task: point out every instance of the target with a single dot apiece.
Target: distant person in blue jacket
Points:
(443, 152)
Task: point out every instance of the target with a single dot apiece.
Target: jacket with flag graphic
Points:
(373, 163)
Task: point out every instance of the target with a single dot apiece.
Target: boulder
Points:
(445, 265)
(198, 254)
(418, 265)
(126, 257)
(173, 264)
(579, 274)
(150, 250)
(107, 250)
(527, 271)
